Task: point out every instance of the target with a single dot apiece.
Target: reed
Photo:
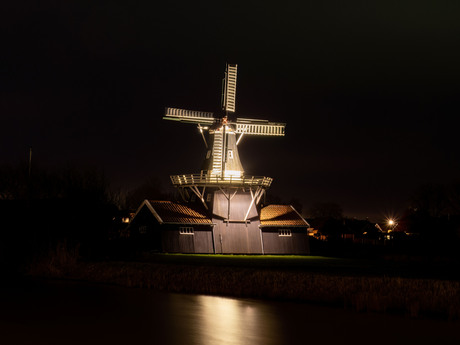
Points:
(409, 296)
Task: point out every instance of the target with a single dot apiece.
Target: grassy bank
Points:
(296, 279)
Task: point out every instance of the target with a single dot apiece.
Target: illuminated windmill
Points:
(223, 188)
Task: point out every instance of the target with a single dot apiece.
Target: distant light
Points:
(391, 221)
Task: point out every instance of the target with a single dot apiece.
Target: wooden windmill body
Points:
(226, 192)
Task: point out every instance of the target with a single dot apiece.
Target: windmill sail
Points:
(189, 116)
(229, 96)
(259, 127)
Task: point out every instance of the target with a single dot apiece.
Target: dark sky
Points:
(368, 89)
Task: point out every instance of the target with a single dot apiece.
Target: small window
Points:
(230, 154)
(208, 197)
(186, 230)
(208, 154)
(284, 233)
(143, 229)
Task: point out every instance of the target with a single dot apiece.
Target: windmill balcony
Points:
(205, 179)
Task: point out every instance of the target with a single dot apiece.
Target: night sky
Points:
(368, 89)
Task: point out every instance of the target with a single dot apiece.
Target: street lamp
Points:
(392, 224)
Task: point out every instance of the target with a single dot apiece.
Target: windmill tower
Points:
(226, 192)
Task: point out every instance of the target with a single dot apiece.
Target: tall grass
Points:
(59, 261)
(412, 297)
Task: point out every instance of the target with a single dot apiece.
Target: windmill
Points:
(221, 185)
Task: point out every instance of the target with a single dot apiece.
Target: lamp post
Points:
(392, 224)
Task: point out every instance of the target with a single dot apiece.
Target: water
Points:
(77, 313)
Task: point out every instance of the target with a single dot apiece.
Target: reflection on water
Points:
(75, 313)
(226, 321)
(234, 322)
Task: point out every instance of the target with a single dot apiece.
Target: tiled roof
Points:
(281, 215)
(171, 212)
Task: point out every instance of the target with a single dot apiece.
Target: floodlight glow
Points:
(232, 173)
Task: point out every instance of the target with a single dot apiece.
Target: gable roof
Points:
(281, 215)
(168, 212)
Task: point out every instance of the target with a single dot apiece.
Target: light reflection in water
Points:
(56, 313)
(230, 321)
(210, 320)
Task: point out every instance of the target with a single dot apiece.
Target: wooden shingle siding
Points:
(297, 243)
(237, 238)
(203, 241)
(175, 242)
(239, 206)
(186, 244)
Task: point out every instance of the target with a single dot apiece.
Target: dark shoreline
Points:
(413, 297)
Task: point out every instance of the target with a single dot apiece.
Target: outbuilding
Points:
(284, 230)
(172, 227)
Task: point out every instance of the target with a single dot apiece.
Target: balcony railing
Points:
(205, 179)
